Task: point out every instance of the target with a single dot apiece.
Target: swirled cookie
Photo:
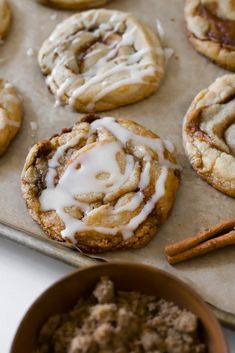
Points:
(74, 4)
(211, 29)
(10, 114)
(104, 184)
(100, 59)
(5, 18)
(209, 134)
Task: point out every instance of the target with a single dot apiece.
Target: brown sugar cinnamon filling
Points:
(220, 30)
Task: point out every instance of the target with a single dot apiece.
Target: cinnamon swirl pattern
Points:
(209, 134)
(10, 114)
(100, 59)
(104, 184)
(5, 18)
(211, 29)
(74, 4)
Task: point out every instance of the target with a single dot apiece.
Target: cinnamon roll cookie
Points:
(74, 4)
(100, 59)
(211, 29)
(5, 18)
(104, 184)
(10, 114)
(209, 134)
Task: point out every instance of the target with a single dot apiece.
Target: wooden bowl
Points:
(62, 295)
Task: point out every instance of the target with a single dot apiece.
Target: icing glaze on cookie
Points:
(97, 171)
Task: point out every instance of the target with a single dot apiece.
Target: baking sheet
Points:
(198, 205)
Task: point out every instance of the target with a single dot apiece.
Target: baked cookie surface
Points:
(211, 29)
(100, 59)
(74, 4)
(5, 18)
(209, 134)
(104, 184)
(10, 114)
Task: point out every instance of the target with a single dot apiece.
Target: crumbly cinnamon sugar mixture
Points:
(122, 322)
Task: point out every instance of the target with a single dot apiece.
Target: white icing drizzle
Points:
(149, 206)
(93, 53)
(54, 161)
(7, 98)
(124, 135)
(168, 52)
(96, 171)
(109, 89)
(64, 87)
(160, 30)
(4, 121)
(145, 176)
(84, 180)
(131, 68)
(169, 146)
(132, 205)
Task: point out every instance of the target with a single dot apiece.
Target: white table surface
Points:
(24, 275)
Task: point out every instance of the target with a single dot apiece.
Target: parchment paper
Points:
(198, 205)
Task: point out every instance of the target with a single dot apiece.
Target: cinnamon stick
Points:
(195, 240)
(204, 248)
